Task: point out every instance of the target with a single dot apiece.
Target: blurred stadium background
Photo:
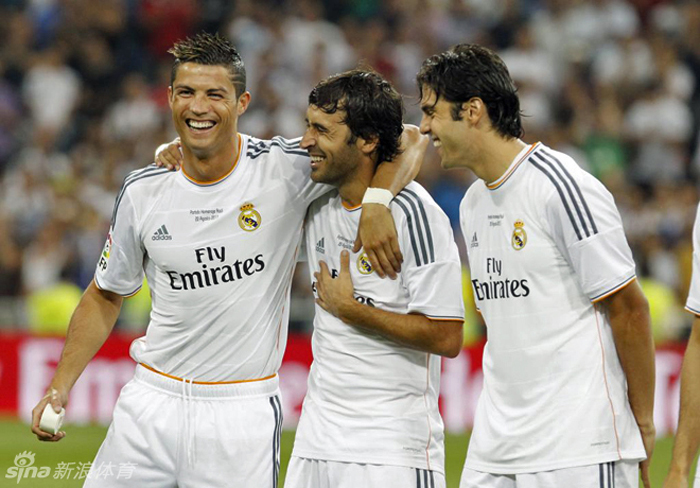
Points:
(614, 83)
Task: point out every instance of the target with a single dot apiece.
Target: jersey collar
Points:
(522, 156)
(216, 182)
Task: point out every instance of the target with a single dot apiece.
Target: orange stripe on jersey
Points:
(206, 382)
(614, 290)
(347, 206)
(496, 184)
(218, 180)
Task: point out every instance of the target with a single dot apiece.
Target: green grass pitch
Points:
(82, 442)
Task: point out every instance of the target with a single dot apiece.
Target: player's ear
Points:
(473, 110)
(368, 146)
(170, 96)
(243, 102)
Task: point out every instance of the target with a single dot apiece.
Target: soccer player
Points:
(569, 362)
(688, 435)
(217, 242)
(370, 417)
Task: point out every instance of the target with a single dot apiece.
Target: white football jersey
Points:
(545, 243)
(371, 400)
(693, 302)
(218, 257)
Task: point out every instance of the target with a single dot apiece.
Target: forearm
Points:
(90, 325)
(688, 436)
(411, 330)
(631, 327)
(395, 175)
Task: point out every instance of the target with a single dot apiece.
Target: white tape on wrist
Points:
(51, 421)
(378, 195)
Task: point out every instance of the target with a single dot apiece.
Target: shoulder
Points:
(277, 147)
(560, 173)
(142, 184)
(143, 179)
(415, 201)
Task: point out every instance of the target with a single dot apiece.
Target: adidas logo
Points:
(320, 245)
(162, 234)
(474, 243)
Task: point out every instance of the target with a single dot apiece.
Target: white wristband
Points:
(378, 195)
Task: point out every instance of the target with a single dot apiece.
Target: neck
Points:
(353, 188)
(211, 166)
(495, 156)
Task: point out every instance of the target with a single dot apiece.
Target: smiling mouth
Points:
(200, 125)
(437, 143)
(316, 161)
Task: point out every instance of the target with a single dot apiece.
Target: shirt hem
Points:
(571, 463)
(371, 459)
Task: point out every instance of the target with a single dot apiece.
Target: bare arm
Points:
(89, 328)
(443, 337)
(628, 311)
(688, 435)
(377, 232)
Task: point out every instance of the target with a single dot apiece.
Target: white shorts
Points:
(316, 473)
(618, 474)
(166, 433)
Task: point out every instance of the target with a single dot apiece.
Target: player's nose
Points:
(307, 141)
(424, 124)
(199, 105)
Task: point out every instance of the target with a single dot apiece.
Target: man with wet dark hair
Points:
(370, 417)
(569, 362)
(218, 243)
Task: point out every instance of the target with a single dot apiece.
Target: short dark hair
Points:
(210, 50)
(373, 108)
(466, 71)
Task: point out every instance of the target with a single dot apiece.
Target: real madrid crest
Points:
(519, 237)
(249, 219)
(363, 264)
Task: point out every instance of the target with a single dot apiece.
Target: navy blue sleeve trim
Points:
(568, 199)
(418, 226)
(133, 177)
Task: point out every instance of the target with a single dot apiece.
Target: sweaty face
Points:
(205, 108)
(450, 137)
(333, 157)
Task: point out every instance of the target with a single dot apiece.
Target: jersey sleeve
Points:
(297, 169)
(120, 267)
(693, 302)
(587, 228)
(431, 270)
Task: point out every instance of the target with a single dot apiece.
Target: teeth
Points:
(437, 143)
(317, 159)
(196, 124)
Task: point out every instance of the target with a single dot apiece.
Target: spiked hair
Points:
(210, 50)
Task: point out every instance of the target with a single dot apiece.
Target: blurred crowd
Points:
(614, 83)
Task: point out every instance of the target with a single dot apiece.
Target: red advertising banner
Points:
(27, 364)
